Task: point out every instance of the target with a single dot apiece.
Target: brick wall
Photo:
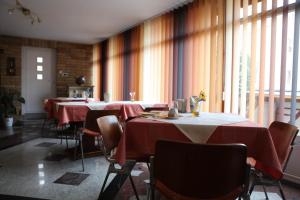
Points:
(75, 59)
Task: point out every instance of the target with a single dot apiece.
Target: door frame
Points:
(24, 56)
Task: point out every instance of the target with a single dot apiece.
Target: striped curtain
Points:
(158, 59)
(198, 52)
(262, 37)
(96, 71)
(171, 56)
(120, 63)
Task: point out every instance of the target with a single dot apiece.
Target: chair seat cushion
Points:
(90, 133)
(275, 174)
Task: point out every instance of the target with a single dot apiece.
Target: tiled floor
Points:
(31, 169)
(22, 132)
(24, 172)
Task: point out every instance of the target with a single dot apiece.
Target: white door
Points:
(38, 78)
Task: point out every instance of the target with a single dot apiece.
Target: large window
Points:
(260, 83)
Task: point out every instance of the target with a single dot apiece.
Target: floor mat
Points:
(71, 178)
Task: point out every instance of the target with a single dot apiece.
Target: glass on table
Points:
(132, 95)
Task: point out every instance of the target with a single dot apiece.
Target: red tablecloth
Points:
(77, 113)
(49, 105)
(140, 136)
(70, 113)
(126, 110)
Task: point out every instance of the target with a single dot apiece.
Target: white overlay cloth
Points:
(73, 98)
(100, 105)
(199, 129)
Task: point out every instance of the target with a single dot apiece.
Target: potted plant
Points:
(8, 100)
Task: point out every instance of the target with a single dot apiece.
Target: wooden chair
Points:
(91, 129)
(283, 136)
(189, 171)
(111, 132)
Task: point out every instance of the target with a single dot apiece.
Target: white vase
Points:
(9, 121)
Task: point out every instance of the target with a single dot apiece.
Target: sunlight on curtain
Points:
(175, 55)
(115, 67)
(96, 70)
(183, 54)
(157, 59)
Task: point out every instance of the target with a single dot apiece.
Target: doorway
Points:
(38, 78)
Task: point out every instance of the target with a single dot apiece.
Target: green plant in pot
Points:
(8, 100)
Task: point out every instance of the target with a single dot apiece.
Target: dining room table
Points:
(142, 133)
(49, 103)
(74, 113)
(67, 112)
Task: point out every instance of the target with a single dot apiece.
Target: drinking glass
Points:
(132, 94)
(106, 97)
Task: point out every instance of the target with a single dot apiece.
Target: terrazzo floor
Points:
(31, 168)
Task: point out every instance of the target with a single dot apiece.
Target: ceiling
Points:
(79, 21)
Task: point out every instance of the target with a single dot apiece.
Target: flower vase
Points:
(196, 109)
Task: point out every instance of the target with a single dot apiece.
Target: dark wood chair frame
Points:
(259, 178)
(244, 194)
(114, 167)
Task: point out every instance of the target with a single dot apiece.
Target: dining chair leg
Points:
(43, 127)
(148, 165)
(280, 190)
(247, 197)
(75, 131)
(252, 188)
(104, 183)
(67, 142)
(265, 191)
(98, 141)
(59, 133)
(75, 149)
(151, 169)
(82, 153)
(133, 186)
(147, 182)
(61, 138)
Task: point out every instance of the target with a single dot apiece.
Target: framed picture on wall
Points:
(11, 66)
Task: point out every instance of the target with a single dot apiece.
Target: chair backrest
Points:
(200, 171)
(111, 132)
(93, 115)
(283, 136)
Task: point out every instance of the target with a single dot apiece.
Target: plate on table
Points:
(156, 111)
(147, 114)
